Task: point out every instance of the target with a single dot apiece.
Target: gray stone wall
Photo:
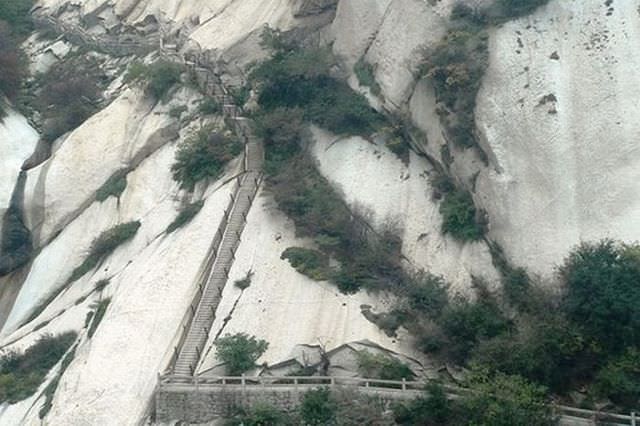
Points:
(205, 403)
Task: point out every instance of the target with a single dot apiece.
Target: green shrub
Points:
(12, 62)
(113, 187)
(427, 294)
(432, 409)
(619, 380)
(300, 78)
(459, 216)
(240, 95)
(185, 216)
(378, 366)
(51, 388)
(204, 155)
(16, 13)
(365, 72)
(505, 10)
(99, 310)
(177, 111)
(22, 374)
(68, 95)
(503, 400)
(17, 246)
(603, 295)
(101, 285)
(466, 323)
(245, 282)
(546, 349)
(159, 77)
(261, 414)
(281, 130)
(104, 245)
(318, 408)
(240, 352)
(311, 263)
(209, 106)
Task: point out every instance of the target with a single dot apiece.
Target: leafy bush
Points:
(301, 78)
(261, 414)
(51, 388)
(245, 282)
(16, 247)
(602, 293)
(16, 13)
(204, 155)
(22, 374)
(619, 380)
(427, 294)
(104, 245)
(382, 367)
(505, 10)
(240, 352)
(177, 111)
(209, 106)
(281, 129)
(318, 408)
(430, 410)
(99, 310)
(459, 216)
(12, 62)
(467, 323)
(503, 400)
(113, 187)
(68, 95)
(365, 72)
(311, 263)
(185, 216)
(159, 77)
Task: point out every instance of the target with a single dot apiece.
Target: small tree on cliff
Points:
(240, 352)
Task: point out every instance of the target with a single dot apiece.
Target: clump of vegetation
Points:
(619, 380)
(158, 77)
(318, 407)
(113, 187)
(281, 130)
(104, 245)
(99, 310)
(204, 155)
(260, 414)
(300, 78)
(365, 72)
(22, 374)
(209, 106)
(240, 352)
(16, 13)
(68, 95)
(460, 217)
(311, 263)
(12, 62)
(383, 367)
(16, 247)
(455, 68)
(177, 111)
(101, 285)
(185, 216)
(51, 388)
(602, 289)
(245, 282)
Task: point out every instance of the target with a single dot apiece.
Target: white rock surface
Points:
(17, 141)
(573, 174)
(284, 307)
(372, 177)
(113, 139)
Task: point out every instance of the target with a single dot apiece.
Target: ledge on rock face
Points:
(303, 8)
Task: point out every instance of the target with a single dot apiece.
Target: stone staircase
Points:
(196, 335)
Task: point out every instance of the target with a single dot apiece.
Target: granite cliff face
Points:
(556, 116)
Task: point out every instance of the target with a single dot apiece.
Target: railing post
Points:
(404, 384)
(633, 418)
(243, 382)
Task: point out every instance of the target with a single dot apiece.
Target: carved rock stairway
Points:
(198, 333)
